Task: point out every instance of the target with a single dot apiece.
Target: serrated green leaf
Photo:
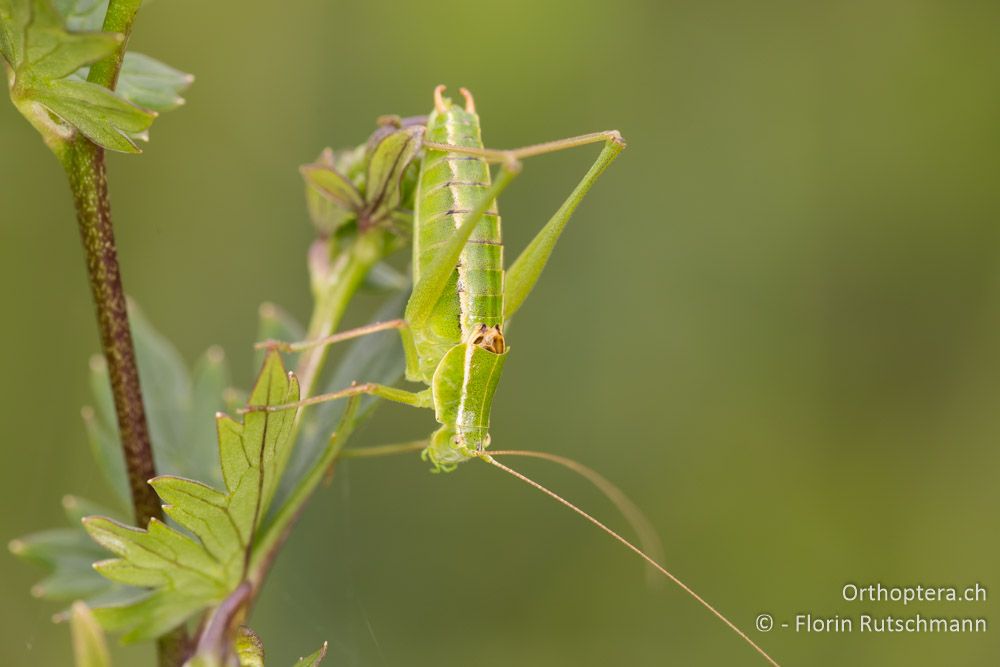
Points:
(35, 43)
(313, 659)
(332, 184)
(52, 53)
(82, 14)
(331, 198)
(181, 410)
(199, 456)
(104, 447)
(150, 616)
(89, 646)
(14, 18)
(386, 166)
(192, 573)
(43, 57)
(67, 554)
(99, 114)
(151, 84)
(167, 394)
(249, 648)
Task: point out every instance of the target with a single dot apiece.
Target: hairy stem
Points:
(85, 167)
(88, 180)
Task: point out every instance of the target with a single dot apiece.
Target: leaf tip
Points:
(97, 363)
(16, 547)
(267, 310)
(102, 565)
(38, 591)
(215, 355)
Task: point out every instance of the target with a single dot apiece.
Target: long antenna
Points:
(637, 550)
(649, 539)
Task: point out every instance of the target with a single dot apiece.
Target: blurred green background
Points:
(785, 299)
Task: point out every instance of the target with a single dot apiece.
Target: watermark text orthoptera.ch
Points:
(906, 594)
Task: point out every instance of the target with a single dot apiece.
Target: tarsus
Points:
(527, 480)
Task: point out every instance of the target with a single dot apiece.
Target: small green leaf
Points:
(388, 163)
(67, 554)
(14, 18)
(98, 113)
(148, 83)
(332, 199)
(166, 393)
(104, 443)
(208, 387)
(181, 409)
(249, 648)
(44, 59)
(82, 14)
(89, 646)
(332, 185)
(188, 574)
(313, 659)
(34, 42)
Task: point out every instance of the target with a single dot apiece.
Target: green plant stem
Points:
(119, 18)
(85, 167)
(334, 286)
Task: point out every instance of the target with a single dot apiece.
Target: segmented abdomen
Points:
(450, 187)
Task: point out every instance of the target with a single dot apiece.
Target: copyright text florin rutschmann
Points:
(872, 623)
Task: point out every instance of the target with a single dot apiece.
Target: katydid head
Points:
(463, 387)
(448, 447)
